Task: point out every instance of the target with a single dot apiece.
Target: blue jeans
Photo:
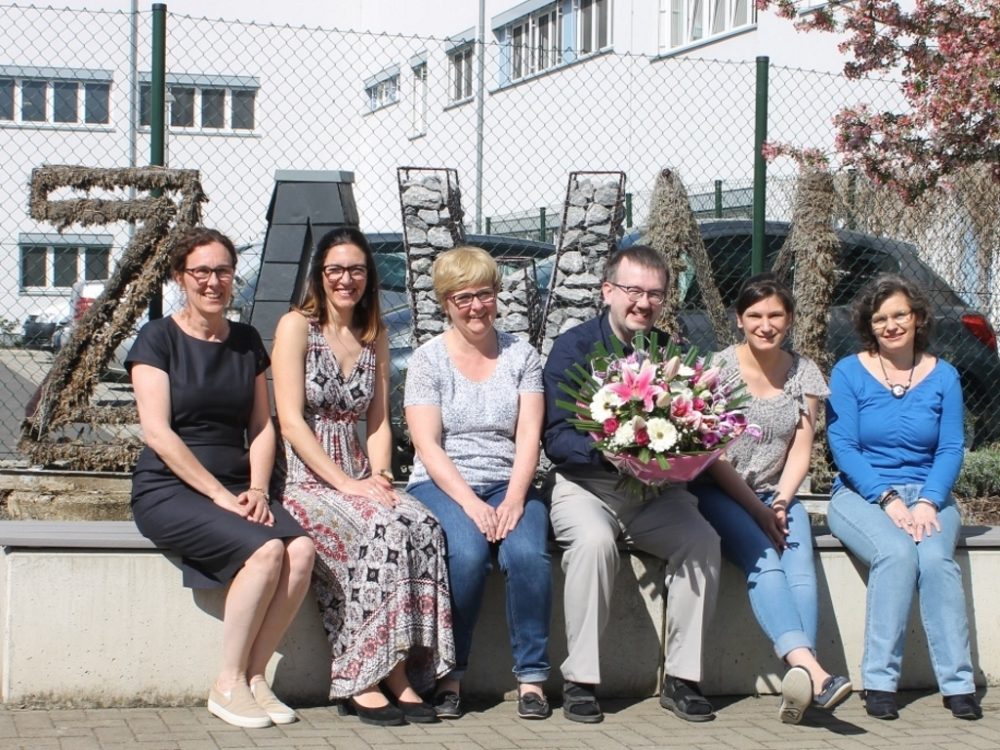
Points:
(524, 560)
(899, 567)
(782, 587)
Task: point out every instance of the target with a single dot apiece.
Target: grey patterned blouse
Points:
(478, 419)
(761, 462)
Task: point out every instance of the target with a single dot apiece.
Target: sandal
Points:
(580, 703)
(684, 698)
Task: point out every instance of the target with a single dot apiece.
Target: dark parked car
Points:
(963, 336)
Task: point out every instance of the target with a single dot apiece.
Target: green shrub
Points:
(980, 475)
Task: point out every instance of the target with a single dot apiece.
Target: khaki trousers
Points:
(589, 517)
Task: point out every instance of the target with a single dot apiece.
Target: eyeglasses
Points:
(464, 300)
(201, 274)
(635, 293)
(334, 272)
(879, 322)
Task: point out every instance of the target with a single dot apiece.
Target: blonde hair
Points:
(462, 267)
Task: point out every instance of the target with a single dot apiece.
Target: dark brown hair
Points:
(871, 298)
(640, 255)
(761, 286)
(193, 238)
(367, 313)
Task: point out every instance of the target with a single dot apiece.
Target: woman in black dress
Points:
(200, 492)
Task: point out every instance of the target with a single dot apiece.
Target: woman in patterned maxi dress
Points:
(381, 576)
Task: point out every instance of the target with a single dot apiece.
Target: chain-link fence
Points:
(245, 100)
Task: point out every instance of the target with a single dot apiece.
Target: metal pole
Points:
(158, 87)
(133, 72)
(157, 114)
(628, 210)
(541, 223)
(759, 166)
(133, 99)
(718, 199)
(480, 110)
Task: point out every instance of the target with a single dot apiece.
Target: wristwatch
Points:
(887, 497)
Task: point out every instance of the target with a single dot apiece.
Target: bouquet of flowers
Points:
(659, 414)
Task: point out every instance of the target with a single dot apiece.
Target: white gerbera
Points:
(603, 404)
(662, 434)
(625, 434)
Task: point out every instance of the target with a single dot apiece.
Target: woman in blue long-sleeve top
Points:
(895, 430)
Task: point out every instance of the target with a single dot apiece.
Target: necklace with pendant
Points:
(898, 390)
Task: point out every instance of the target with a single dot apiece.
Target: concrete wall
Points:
(114, 627)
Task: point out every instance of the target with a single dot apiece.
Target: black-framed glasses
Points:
(334, 271)
(463, 300)
(201, 274)
(879, 322)
(635, 293)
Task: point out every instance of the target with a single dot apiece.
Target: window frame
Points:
(685, 23)
(41, 97)
(461, 79)
(382, 93)
(418, 98)
(237, 91)
(65, 260)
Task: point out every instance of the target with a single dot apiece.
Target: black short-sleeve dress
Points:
(211, 399)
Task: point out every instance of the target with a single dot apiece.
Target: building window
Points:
(6, 99)
(33, 101)
(460, 74)
(536, 43)
(97, 103)
(56, 262)
(594, 26)
(60, 96)
(418, 100)
(687, 21)
(383, 93)
(551, 34)
(203, 102)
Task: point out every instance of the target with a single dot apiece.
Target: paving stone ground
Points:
(743, 723)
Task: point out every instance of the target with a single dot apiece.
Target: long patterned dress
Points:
(380, 574)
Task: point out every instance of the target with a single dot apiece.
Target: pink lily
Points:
(638, 386)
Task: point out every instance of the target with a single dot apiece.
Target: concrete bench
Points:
(93, 614)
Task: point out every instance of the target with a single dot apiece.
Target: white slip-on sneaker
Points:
(238, 707)
(274, 708)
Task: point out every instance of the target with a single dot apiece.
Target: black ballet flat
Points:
(418, 713)
(383, 716)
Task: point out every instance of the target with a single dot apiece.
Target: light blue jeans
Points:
(524, 560)
(782, 587)
(898, 568)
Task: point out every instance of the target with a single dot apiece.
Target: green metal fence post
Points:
(759, 166)
(628, 210)
(157, 113)
(541, 223)
(718, 199)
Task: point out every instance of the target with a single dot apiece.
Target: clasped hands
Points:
(494, 523)
(919, 521)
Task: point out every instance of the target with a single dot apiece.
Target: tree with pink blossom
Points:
(947, 55)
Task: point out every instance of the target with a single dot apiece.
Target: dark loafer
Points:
(418, 713)
(533, 706)
(684, 699)
(447, 705)
(965, 706)
(836, 689)
(383, 716)
(580, 703)
(880, 704)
